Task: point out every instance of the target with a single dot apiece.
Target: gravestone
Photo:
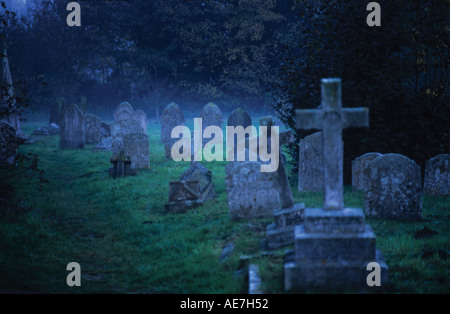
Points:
(437, 175)
(121, 128)
(71, 130)
(239, 117)
(251, 193)
(105, 130)
(358, 166)
(393, 188)
(310, 163)
(334, 245)
(56, 110)
(105, 145)
(123, 112)
(8, 144)
(211, 116)
(136, 145)
(194, 189)
(171, 117)
(140, 116)
(93, 130)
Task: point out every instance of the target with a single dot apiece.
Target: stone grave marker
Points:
(358, 166)
(393, 188)
(136, 145)
(122, 166)
(71, 130)
(123, 112)
(437, 175)
(92, 126)
(121, 128)
(334, 245)
(211, 116)
(171, 117)
(140, 116)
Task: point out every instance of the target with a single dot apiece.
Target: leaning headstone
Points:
(211, 116)
(8, 144)
(92, 126)
(251, 193)
(437, 175)
(171, 117)
(72, 131)
(123, 112)
(334, 245)
(140, 116)
(104, 145)
(310, 163)
(358, 166)
(136, 145)
(393, 188)
(194, 188)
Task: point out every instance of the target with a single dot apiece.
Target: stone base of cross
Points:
(334, 245)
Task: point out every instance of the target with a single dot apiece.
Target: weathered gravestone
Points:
(171, 117)
(93, 130)
(140, 116)
(251, 193)
(121, 128)
(239, 118)
(334, 245)
(71, 130)
(122, 166)
(358, 166)
(310, 163)
(105, 145)
(123, 112)
(211, 116)
(437, 175)
(8, 144)
(136, 145)
(194, 188)
(393, 188)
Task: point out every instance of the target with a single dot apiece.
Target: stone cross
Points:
(332, 119)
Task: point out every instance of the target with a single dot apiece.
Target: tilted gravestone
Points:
(8, 144)
(93, 130)
(171, 117)
(211, 116)
(393, 188)
(140, 116)
(104, 145)
(334, 245)
(136, 145)
(251, 193)
(437, 175)
(194, 188)
(123, 112)
(121, 128)
(358, 166)
(71, 130)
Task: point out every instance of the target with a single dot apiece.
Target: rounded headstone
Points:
(124, 111)
(310, 163)
(239, 117)
(171, 117)
(8, 144)
(140, 116)
(136, 145)
(72, 131)
(358, 166)
(251, 193)
(393, 188)
(211, 116)
(93, 131)
(437, 175)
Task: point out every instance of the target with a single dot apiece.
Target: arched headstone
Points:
(437, 175)
(358, 166)
(72, 131)
(123, 112)
(136, 145)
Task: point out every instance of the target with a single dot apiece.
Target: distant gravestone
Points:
(437, 175)
(239, 117)
(92, 126)
(171, 117)
(121, 128)
(8, 144)
(72, 131)
(140, 116)
(251, 193)
(136, 145)
(105, 130)
(310, 163)
(104, 145)
(211, 116)
(123, 112)
(392, 188)
(358, 166)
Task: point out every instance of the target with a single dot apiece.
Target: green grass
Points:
(118, 232)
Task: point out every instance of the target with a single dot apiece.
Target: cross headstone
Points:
(334, 244)
(332, 119)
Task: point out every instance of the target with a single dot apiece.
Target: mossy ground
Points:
(118, 232)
